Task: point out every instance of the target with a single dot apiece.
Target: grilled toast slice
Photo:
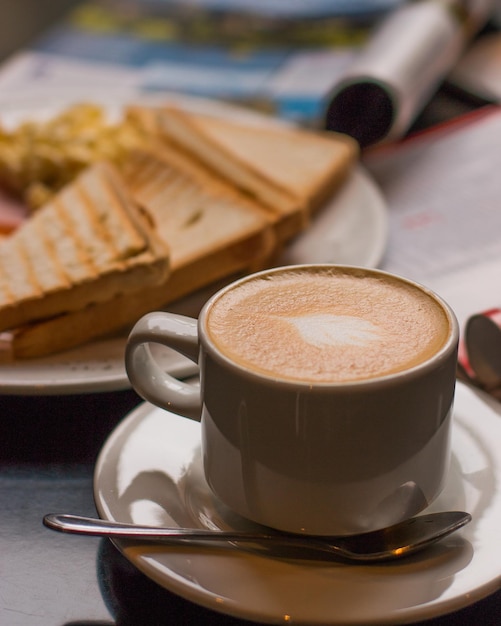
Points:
(212, 232)
(224, 195)
(89, 244)
(194, 212)
(288, 169)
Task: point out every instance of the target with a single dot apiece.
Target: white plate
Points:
(351, 230)
(149, 472)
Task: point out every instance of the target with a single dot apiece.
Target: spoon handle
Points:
(80, 525)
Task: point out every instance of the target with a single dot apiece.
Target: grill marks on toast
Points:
(212, 232)
(289, 170)
(194, 212)
(71, 241)
(17, 272)
(88, 232)
(219, 208)
(108, 236)
(174, 199)
(287, 213)
(47, 273)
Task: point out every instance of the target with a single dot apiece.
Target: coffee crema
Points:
(327, 325)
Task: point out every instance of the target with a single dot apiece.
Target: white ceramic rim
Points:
(433, 362)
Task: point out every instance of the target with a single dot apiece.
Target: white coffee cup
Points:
(325, 394)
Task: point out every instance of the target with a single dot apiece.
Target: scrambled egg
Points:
(38, 158)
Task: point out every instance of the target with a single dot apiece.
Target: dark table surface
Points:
(48, 447)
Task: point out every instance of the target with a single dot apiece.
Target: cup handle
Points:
(146, 376)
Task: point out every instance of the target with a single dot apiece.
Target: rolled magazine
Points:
(380, 94)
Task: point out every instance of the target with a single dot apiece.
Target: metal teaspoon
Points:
(392, 542)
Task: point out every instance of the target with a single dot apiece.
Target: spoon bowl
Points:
(392, 542)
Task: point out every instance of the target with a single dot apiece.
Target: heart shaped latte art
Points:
(325, 329)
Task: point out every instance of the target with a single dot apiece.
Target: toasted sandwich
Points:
(89, 244)
(211, 230)
(224, 196)
(197, 214)
(290, 170)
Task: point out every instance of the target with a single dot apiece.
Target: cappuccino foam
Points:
(327, 325)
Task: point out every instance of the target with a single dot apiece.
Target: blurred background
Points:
(23, 20)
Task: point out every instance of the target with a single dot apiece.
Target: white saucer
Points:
(149, 471)
(350, 230)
